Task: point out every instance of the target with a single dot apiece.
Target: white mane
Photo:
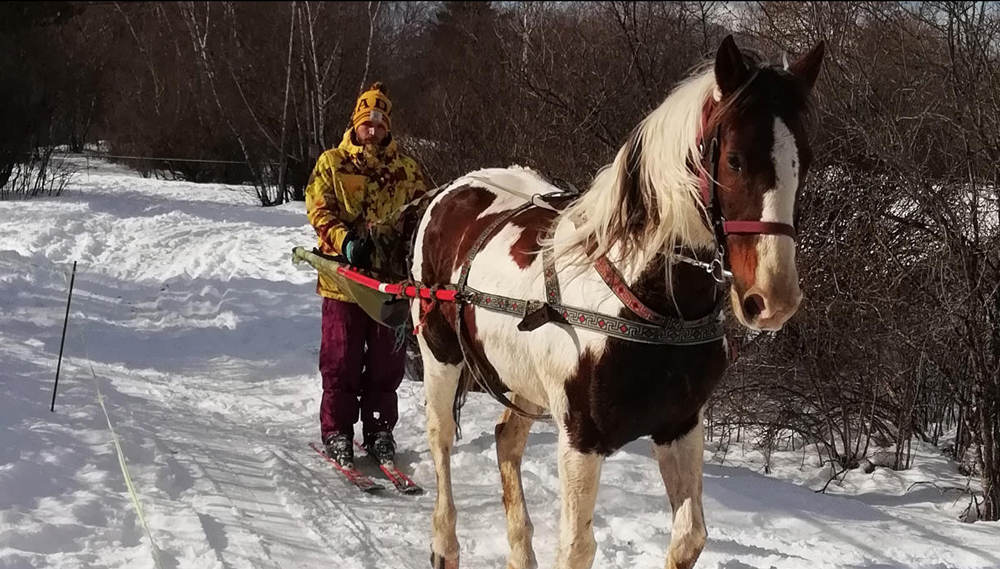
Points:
(667, 139)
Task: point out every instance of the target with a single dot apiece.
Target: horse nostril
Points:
(753, 306)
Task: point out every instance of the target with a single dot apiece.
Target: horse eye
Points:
(734, 162)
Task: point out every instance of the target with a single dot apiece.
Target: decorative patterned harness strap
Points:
(657, 329)
(616, 283)
(501, 219)
(535, 313)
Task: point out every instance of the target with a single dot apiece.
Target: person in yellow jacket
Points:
(353, 201)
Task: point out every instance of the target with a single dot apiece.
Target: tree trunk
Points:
(283, 150)
(989, 454)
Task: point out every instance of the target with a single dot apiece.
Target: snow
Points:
(203, 338)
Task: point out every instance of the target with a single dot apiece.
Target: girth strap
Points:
(552, 294)
(483, 371)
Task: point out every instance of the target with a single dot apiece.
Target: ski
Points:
(400, 481)
(353, 475)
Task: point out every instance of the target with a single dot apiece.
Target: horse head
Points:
(756, 155)
(715, 169)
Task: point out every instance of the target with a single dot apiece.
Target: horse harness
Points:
(650, 327)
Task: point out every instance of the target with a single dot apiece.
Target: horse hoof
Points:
(439, 562)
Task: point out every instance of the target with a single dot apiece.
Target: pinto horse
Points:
(621, 336)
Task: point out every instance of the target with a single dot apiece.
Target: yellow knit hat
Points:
(373, 105)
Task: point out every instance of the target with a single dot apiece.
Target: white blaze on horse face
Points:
(779, 203)
(777, 280)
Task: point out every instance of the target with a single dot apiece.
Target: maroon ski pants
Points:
(361, 370)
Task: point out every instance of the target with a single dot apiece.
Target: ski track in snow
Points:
(204, 340)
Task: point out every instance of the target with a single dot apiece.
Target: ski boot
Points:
(381, 447)
(340, 448)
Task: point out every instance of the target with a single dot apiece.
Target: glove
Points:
(358, 251)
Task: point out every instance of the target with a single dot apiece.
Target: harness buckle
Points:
(718, 271)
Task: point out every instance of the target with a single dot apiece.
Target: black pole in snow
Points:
(62, 343)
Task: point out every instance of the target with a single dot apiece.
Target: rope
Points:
(124, 468)
(201, 160)
(426, 310)
(399, 340)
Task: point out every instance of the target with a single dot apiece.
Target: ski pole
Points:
(62, 342)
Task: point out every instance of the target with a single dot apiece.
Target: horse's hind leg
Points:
(440, 384)
(681, 467)
(512, 435)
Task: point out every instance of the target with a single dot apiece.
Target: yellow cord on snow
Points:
(125, 474)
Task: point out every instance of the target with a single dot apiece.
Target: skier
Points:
(352, 198)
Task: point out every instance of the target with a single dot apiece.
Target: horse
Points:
(603, 309)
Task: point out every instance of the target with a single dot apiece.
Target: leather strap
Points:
(483, 371)
(758, 228)
(483, 237)
(616, 283)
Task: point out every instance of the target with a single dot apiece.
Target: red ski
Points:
(400, 481)
(353, 475)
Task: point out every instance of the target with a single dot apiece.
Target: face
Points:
(764, 159)
(370, 133)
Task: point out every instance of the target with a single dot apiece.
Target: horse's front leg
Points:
(681, 467)
(512, 435)
(440, 385)
(580, 475)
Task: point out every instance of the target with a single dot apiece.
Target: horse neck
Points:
(691, 292)
(695, 240)
(639, 262)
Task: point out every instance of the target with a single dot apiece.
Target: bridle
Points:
(717, 222)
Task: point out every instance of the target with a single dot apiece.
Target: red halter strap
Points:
(758, 228)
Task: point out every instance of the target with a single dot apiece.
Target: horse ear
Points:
(730, 68)
(807, 66)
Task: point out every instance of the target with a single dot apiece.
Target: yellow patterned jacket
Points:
(362, 191)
